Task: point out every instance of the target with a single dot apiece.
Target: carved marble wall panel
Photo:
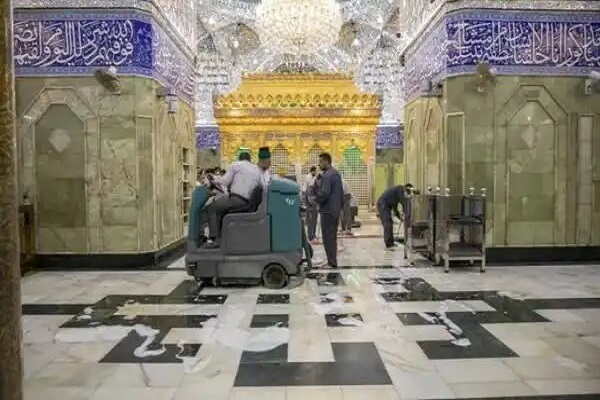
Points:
(529, 142)
(78, 43)
(122, 161)
(584, 182)
(531, 157)
(60, 180)
(173, 133)
(55, 132)
(146, 169)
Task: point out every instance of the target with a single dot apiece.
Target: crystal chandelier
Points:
(298, 27)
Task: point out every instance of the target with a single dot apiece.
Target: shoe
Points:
(349, 233)
(318, 263)
(390, 248)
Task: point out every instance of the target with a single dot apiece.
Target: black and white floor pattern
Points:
(380, 331)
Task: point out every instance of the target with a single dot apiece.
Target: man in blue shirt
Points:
(330, 199)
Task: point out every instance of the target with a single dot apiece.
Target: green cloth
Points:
(264, 153)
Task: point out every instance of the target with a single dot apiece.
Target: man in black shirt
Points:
(388, 202)
(330, 200)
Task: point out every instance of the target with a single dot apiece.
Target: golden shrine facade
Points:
(298, 116)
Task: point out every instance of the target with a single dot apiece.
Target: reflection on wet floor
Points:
(408, 330)
(327, 278)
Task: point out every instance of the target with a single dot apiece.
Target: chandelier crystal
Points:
(298, 27)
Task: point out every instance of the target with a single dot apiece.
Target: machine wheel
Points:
(204, 281)
(274, 276)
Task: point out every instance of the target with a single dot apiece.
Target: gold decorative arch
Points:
(298, 111)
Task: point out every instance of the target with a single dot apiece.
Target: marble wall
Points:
(526, 132)
(103, 170)
(534, 142)
(424, 140)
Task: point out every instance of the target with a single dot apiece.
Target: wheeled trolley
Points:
(460, 231)
(418, 215)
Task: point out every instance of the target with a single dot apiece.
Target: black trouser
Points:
(385, 215)
(347, 214)
(329, 227)
(218, 209)
(312, 213)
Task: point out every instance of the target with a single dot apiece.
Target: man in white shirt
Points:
(241, 179)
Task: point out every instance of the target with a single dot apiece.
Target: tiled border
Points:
(166, 16)
(390, 137)
(567, 44)
(207, 137)
(147, 49)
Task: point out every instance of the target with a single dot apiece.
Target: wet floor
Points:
(375, 328)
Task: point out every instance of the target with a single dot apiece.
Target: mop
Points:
(400, 238)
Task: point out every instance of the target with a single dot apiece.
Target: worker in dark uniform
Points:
(386, 204)
(330, 200)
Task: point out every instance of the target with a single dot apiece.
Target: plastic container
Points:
(283, 206)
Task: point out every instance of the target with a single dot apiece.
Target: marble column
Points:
(11, 365)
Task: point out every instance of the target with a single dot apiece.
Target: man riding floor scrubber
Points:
(262, 243)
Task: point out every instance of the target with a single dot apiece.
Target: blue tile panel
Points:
(514, 43)
(75, 43)
(390, 137)
(207, 137)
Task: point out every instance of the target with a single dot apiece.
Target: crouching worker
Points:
(388, 202)
(241, 178)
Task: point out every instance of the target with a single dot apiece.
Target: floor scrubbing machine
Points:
(263, 245)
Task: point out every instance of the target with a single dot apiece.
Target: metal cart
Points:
(460, 228)
(419, 215)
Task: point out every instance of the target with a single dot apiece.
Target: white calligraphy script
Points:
(74, 43)
(170, 65)
(559, 44)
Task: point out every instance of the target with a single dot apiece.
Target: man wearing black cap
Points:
(264, 163)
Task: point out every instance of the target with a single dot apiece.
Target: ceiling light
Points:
(300, 27)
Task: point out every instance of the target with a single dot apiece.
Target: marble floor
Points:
(377, 328)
